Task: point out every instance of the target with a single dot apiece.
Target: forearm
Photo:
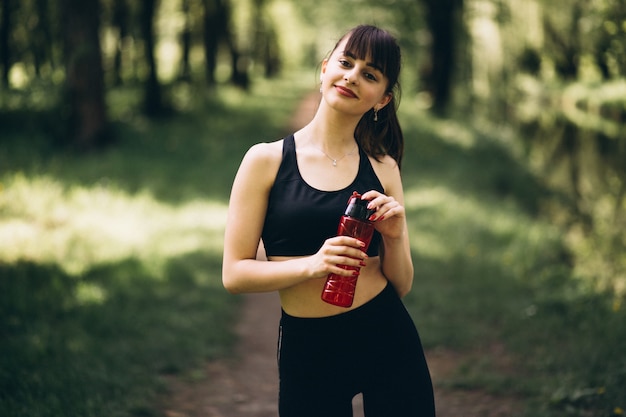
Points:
(251, 275)
(397, 265)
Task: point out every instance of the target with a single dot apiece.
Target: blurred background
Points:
(122, 124)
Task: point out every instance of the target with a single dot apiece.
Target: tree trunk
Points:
(185, 40)
(215, 27)
(5, 33)
(442, 19)
(120, 20)
(41, 37)
(153, 105)
(85, 111)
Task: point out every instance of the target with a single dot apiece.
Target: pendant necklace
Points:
(334, 161)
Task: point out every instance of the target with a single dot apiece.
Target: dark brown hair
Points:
(382, 137)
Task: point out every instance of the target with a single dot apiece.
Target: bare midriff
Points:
(304, 299)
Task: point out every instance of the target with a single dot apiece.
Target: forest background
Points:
(122, 124)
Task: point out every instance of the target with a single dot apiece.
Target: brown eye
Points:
(370, 76)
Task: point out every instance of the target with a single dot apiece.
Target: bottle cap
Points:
(357, 208)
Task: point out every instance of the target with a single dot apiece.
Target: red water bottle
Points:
(339, 290)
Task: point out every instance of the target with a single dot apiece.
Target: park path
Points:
(246, 385)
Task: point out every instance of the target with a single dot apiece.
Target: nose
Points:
(350, 77)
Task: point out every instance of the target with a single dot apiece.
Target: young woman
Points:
(289, 195)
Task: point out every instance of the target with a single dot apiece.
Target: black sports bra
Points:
(299, 217)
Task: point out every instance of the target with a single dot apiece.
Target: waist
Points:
(304, 299)
(380, 300)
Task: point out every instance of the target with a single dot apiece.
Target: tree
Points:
(265, 46)
(85, 111)
(215, 28)
(153, 103)
(5, 33)
(443, 21)
(185, 41)
(120, 20)
(41, 38)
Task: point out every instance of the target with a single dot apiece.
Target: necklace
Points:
(338, 159)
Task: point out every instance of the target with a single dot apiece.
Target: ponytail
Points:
(384, 136)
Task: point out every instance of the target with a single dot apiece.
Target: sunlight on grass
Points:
(80, 227)
(448, 225)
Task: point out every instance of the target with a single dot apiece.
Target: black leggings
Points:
(374, 349)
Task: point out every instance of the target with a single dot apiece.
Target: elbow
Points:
(230, 287)
(230, 283)
(404, 289)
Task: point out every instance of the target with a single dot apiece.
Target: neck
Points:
(330, 131)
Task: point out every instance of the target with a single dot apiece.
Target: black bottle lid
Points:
(357, 208)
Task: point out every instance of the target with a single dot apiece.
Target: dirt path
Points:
(247, 385)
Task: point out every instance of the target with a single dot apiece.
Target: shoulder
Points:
(261, 163)
(385, 167)
(263, 156)
(265, 152)
(388, 172)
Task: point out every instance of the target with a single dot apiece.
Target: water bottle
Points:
(339, 290)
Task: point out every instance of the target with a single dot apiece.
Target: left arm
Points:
(390, 221)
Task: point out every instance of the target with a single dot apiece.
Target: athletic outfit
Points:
(374, 349)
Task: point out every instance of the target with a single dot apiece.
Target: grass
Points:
(494, 278)
(110, 262)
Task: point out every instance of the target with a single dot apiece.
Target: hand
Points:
(389, 218)
(336, 251)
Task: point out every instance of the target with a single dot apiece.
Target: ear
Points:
(384, 101)
(324, 64)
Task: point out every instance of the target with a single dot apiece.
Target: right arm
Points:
(241, 271)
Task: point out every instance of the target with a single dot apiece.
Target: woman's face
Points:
(352, 85)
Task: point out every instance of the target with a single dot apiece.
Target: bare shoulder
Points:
(260, 163)
(264, 156)
(388, 172)
(385, 167)
(265, 152)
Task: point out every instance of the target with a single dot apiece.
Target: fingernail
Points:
(362, 263)
(372, 217)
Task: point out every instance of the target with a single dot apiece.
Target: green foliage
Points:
(101, 343)
(110, 263)
(494, 277)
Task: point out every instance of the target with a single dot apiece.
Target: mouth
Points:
(346, 92)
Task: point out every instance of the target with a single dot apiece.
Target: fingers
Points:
(345, 247)
(339, 252)
(384, 205)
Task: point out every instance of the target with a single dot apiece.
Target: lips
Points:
(345, 91)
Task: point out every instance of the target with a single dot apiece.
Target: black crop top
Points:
(300, 218)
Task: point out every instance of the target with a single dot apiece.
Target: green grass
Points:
(110, 262)
(494, 278)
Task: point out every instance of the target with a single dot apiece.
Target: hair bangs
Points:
(377, 46)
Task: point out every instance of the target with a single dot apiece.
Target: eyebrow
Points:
(369, 64)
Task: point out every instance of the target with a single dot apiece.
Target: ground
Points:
(246, 385)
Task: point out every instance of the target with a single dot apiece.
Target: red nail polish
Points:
(339, 290)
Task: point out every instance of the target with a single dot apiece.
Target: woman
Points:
(289, 194)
